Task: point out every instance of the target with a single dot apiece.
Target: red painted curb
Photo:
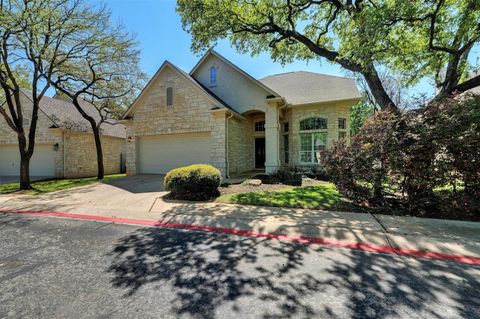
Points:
(249, 233)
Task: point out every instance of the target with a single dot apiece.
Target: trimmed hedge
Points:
(194, 182)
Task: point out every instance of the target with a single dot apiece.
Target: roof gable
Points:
(131, 110)
(236, 68)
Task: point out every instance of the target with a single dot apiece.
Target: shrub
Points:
(286, 177)
(194, 182)
(409, 154)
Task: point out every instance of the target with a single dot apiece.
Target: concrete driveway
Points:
(132, 193)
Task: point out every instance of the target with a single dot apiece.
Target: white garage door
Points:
(41, 164)
(159, 154)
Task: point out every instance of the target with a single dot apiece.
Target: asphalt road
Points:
(60, 268)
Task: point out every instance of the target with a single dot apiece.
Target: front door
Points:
(260, 152)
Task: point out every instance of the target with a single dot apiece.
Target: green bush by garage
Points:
(194, 182)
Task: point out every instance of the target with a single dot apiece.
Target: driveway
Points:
(132, 193)
(60, 268)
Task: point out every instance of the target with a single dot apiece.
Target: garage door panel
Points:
(159, 154)
(41, 164)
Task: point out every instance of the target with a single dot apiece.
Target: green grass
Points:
(42, 187)
(323, 196)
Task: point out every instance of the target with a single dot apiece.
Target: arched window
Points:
(260, 126)
(313, 123)
(313, 139)
(213, 76)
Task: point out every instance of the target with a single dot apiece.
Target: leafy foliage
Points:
(358, 114)
(414, 39)
(410, 154)
(194, 182)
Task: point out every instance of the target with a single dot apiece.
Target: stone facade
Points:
(191, 112)
(331, 111)
(81, 155)
(75, 154)
(240, 145)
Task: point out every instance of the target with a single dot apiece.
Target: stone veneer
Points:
(81, 155)
(331, 111)
(191, 112)
(75, 159)
(240, 145)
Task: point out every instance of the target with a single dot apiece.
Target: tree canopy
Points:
(414, 39)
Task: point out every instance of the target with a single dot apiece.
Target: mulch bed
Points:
(243, 188)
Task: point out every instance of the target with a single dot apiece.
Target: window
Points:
(285, 148)
(213, 76)
(313, 139)
(260, 126)
(169, 96)
(313, 123)
(285, 127)
(342, 123)
(26, 121)
(311, 145)
(342, 135)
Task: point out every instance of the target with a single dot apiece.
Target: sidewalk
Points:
(390, 234)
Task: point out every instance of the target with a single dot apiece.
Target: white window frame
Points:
(261, 126)
(313, 151)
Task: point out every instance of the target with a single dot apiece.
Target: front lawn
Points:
(42, 187)
(324, 196)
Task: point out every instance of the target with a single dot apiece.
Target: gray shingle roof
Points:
(307, 87)
(64, 115)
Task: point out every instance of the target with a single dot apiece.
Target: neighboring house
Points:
(64, 144)
(218, 114)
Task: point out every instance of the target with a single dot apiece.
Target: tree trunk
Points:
(378, 90)
(98, 146)
(24, 163)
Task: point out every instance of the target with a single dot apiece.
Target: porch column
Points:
(272, 139)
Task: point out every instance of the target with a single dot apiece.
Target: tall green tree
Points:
(67, 44)
(414, 39)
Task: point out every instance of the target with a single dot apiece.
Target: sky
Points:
(161, 37)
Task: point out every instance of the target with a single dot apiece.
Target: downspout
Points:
(227, 162)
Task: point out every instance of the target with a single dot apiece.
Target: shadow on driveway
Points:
(139, 183)
(272, 279)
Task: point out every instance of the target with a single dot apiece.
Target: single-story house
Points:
(220, 115)
(64, 144)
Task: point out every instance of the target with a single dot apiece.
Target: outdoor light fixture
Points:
(55, 147)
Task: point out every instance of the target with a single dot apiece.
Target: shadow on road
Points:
(208, 272)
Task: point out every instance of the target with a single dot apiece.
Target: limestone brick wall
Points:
(219, 149)
(332, 112)
(80, 154)
(240, 145)
(190, 111)
(44, 134)
(131, 150)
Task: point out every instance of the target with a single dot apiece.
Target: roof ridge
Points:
(304, 71)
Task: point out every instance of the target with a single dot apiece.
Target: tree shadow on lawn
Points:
(327, 198)
(208, 273)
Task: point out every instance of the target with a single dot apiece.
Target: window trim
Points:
(313, 129)
(344, 123)
(262, 126)
(312, 146)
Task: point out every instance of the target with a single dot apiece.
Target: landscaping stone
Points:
(253, 182)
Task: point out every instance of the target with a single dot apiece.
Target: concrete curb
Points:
(241, 232)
